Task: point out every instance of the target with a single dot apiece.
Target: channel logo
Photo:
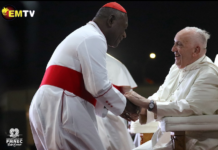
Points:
(9, 12)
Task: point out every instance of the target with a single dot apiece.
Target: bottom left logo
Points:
(14, 140)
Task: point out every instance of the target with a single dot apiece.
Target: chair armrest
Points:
(136, 127)
(191, 123)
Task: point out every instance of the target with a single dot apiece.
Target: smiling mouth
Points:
(177, 55)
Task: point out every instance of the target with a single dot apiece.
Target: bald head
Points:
(190, 45)
(113, 24)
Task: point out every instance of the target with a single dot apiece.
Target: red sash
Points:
(67, 79)
(70, 80)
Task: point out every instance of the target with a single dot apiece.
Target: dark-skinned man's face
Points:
(118, 31)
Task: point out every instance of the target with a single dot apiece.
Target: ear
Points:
(197, 51)
(110, 21)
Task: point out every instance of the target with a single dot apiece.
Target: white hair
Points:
(203, 34)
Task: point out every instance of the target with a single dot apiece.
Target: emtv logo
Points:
(9, 12)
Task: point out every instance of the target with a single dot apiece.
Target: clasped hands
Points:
(135, 105)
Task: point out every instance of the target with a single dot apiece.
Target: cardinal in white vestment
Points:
(113, 129)
(75, 86)
(190, 88)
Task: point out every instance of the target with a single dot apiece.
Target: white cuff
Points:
(114, 101)
(100, 110)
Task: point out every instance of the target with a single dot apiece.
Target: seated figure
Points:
(190, 88)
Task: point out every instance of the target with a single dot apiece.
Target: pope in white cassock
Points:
(76, 87)
(113, 129)
(190, 88)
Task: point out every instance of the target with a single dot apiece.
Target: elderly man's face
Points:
(183, 48)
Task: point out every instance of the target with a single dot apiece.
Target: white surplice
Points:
(84, 51)
(192, 90)
(113, 129)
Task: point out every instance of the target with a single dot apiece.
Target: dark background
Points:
(26, 44)
(152, 27)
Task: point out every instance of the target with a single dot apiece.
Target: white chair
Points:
(179, 125)
(143, 132)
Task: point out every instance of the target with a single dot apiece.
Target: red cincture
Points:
(67, 79)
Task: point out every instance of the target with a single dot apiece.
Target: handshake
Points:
(134, 102)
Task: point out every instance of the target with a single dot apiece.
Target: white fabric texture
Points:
(84, 50)
(216, 60)
(118, 74)
(115, 135)
(191, 123)
(197, 94)
(102, 130)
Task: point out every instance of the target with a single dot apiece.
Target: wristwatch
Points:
(151, 105)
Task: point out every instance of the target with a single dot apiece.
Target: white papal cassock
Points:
(192, 90)
(113, 129)
(74, 87)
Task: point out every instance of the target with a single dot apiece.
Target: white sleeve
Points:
(92, 57)
(100, 110)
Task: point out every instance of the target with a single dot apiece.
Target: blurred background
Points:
(27, 43)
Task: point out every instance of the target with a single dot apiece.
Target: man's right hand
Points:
(131, 111)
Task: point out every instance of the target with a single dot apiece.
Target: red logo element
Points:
(8, 12)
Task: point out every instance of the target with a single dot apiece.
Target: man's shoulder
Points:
(87, 32)
(208, 70)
